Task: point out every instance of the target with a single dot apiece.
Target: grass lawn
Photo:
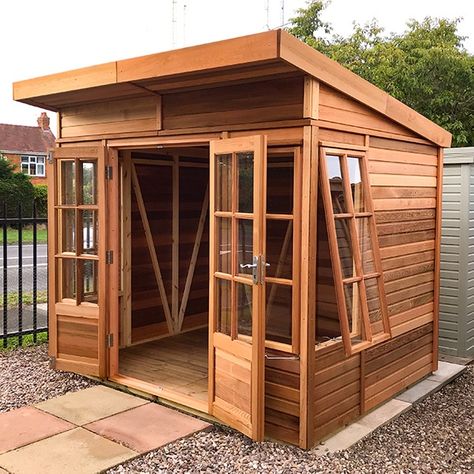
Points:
(12, 235)
(13, 342)
(27, 298)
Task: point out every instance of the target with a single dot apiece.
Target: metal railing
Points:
(23, 274)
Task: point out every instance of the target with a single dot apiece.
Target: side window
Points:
(354, 248)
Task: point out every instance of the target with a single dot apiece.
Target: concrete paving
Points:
(390, 410)
(147, 427)
(90, 405)
(87, 432)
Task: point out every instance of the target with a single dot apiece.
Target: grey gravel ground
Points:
(436, 436)
(26, 378)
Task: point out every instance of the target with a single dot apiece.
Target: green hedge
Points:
(41, 198)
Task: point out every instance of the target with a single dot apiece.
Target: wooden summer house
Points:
(244, 228)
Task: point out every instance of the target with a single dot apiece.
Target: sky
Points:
(42, 37)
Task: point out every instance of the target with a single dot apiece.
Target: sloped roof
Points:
(23, 138)
(276, 51)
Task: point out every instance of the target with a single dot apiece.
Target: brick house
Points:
(27, 147)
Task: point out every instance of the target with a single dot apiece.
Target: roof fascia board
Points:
(233, 52)
(23, 152)
(333, 74)
(77, 79)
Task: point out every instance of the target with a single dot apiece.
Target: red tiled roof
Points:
(25, 138)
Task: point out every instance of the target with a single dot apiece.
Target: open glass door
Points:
(76, 252)
(237, 288)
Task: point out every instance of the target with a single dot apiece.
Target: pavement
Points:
(87, 432)
(27, 318)
(390, 410)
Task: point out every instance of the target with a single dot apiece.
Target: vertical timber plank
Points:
(311, 98)
(175, 245)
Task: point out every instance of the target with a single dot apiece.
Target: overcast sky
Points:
(45, 36)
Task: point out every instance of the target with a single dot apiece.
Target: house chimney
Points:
(43, 121)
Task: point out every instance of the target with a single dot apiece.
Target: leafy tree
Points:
(15, 188)
(426, 67)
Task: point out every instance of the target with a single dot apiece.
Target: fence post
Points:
(5, 275)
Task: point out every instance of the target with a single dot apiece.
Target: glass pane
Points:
(335, 182)
(354, 311)
(280, 184)
(68, 226)
(40, 159)
(89, 182)
(223, 306)
(223, 182)
(224, 244)
(24, 168)
(40, 170)
(90, 231)
(24, 159)
(279, 248)
(90, 274)
(245, 176)
(244, 309)
(375, 309)
(68, 182)
(68, 278)
(278, 312)
(344, 243)
(356, 184)
(32, 169)
(365, 244)
(244, 247)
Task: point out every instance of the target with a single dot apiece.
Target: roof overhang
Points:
(259, 55)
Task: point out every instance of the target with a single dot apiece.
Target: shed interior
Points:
(165, 268)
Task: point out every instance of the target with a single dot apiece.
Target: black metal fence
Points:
(23, 275)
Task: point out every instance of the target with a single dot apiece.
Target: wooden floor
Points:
(176, 364)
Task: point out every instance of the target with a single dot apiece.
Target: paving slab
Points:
(147, 427)
(27, 425)
(446, 372)
(383, 414)
(75, 451)
(419, 391)
(90, 404)
(344, 439)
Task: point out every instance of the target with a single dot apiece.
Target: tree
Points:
(426, 66)
(15, 188)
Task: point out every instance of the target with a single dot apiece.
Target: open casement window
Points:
(354, 248)
(76, 249)
(237, 283)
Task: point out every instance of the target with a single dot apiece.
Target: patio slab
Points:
(75, 451)
(27, 425)
(446, 372)
(90, 404)
(147, 427)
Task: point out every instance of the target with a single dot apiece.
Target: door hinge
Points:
(108, 172)
(109, 257)
(110, 340)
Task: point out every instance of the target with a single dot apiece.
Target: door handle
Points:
(258, 268)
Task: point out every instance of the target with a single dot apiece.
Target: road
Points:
(27, 267)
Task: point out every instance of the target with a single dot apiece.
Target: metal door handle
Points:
(248, 265)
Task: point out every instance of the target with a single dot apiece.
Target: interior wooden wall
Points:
(156, 183)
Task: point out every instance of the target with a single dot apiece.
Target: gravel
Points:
(26, 378)
(436, 436)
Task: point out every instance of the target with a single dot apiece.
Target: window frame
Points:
(350, 216)
(32, 160)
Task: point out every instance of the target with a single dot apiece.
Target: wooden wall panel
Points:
(397, 364)
(403, 184)
(282, 399)
(337, 390)
(280, 99)
(114, 117)
(339, 109)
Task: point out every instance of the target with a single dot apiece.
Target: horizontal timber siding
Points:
(282, 400)
(403, 183)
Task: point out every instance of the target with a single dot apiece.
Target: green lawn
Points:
(13, 342)
(27, 298)
(12, 235)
